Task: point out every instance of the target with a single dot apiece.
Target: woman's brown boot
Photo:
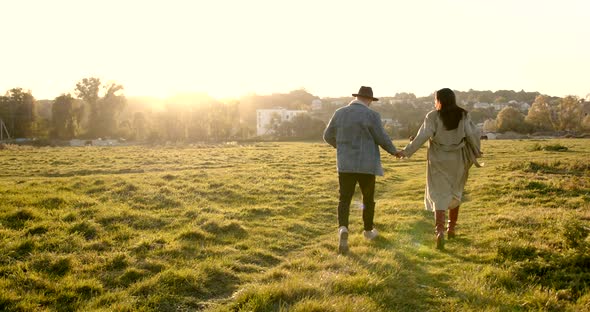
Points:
(439, 221)
(453, 215)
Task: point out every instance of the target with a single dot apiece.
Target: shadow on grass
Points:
(417, 283)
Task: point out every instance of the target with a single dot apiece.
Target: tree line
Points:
(565, 115)
(99, 110)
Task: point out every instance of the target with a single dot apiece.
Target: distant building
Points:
(265, 118)
(524, 106)
(390, 122)
(481, 105)
(499, 106)
(316, 105)
(338, 103)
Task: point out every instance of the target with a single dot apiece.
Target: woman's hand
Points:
(399, 154)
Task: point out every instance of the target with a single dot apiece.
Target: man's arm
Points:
(330, 132)
(379, 134)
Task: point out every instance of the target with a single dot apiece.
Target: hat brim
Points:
(368, 97)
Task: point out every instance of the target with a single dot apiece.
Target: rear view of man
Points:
(356, 132)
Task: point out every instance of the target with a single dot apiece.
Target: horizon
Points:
(229, 49)
(202, 94)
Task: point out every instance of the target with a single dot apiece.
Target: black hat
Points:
(366, 92)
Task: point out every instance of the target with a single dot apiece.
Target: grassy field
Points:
(253, 228)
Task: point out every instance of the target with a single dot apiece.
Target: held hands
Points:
(399, 154)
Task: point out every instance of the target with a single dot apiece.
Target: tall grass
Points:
(253, 228)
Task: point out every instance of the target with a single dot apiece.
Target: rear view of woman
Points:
(454, 146)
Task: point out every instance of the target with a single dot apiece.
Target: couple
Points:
(356, 132)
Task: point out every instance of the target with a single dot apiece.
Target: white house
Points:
(481, 105)
(316, 104)
(524, 106)
(390, 121)
(266, 117)
(499, 106)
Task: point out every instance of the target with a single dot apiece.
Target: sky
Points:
(229, 48)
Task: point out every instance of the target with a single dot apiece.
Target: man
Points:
(356, 132)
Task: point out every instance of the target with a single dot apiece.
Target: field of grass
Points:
(253, 228)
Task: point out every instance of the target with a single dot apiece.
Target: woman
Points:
(454, 146)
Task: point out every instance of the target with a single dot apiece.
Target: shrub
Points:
(548, 148)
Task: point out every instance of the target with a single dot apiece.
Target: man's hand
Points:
(399, 154)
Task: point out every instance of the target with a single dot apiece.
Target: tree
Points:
(198, 127)
(17, 110)
(485, 96)
(306, 127)
(500, 100)
(64, 123)
(221, 121)
(110, 106)
(586, 123)
(482, 114)
(490, 125)
(87, 90)
(539, 115)
(139, 126)
(510, 119)
(284, 129)
(102, 113)
(570, 114)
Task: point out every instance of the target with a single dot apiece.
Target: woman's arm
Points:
(426, 132)
(472, 134)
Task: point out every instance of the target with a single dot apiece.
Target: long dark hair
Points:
(450, 113)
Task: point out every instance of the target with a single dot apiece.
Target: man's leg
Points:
(367, 185)
(347, 182)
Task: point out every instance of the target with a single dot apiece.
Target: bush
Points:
(548, 148)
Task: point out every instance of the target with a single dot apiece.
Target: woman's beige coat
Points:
(450, 155)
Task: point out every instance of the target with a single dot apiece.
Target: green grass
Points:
(253, 228)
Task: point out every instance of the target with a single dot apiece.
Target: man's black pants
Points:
(347, 183)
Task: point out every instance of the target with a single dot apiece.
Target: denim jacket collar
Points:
(358, 102)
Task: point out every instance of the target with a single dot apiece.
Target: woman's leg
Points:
(453, 215)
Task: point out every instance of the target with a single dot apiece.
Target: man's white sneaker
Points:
(370, 235)
(342, 240)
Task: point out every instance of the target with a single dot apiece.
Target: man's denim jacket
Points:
(356, 132)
